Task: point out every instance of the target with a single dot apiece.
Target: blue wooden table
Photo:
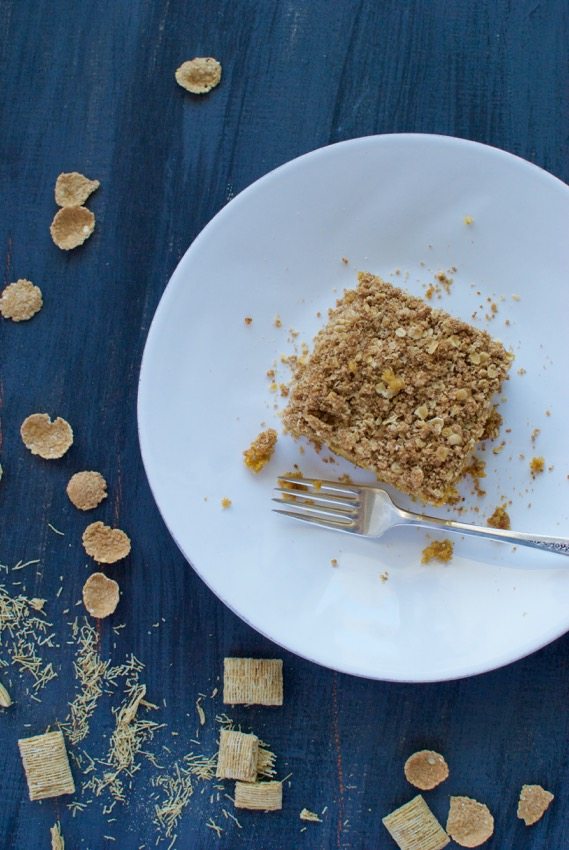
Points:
(89, 86)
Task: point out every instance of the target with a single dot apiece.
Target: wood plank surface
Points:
(89, 86)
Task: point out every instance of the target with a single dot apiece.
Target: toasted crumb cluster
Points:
(259, 453)
(398, 387)
(533, 803)
(438, 550)
(414, 827)
(106, 545)
(426, 769)
(71, 226)
(21, 300)
(199, 75)
(45, 438)
(469, 823)
(500, 518)
(86, 490)
(259, 796)
(46, 766)
(238, 756)
(253, 681)
(72, 189)
(536, 466)
(100, 595)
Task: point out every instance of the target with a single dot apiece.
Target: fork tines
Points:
(325, 503)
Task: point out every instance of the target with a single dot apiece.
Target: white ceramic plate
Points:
(388, 204)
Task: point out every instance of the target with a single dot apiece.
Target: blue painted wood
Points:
(89, 86)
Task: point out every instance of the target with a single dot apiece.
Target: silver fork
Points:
(369, 511)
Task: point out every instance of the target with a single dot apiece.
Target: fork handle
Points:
(559, 545)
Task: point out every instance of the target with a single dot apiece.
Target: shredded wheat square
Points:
(238, 756)
(252, 681)
(259, 796)
(398, 387)
(46, 766)
(414, 827)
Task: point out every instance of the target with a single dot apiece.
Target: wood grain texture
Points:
(89, 86)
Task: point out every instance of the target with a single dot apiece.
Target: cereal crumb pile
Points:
(438, 550)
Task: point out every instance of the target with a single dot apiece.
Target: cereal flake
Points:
(21, 300)
(46, 766)
(259, 796)
(199, 75)
(86, 490)
(106, 545)
(45, 438)
(238, 756)
(469, 823)
(252, 681)
(414, 827)
(71, 226)
(100, 595)
(426, 769)
(72, 189)
(309, 816)
(533, 803)
(57, 840)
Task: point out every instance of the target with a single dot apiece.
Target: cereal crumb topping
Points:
(536, 465)
(106, 545)
(469, 823)
(72, 189)
(533, 803)
(397, 387)
(199, 75)
(21, 300)
(259, 453)
(426, 769)
(100, 595)
(500, 518)
(50, 440)
(86, 490)
(438, 550)
(71, 226)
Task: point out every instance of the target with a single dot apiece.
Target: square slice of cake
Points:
(399, 388)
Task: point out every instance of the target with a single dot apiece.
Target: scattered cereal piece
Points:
(226, 503)
(57, 841)
(500, 518)
(106, 545)
(306, 814)
(37, 604)
(384, 576)
(71, 226)
(248, 320)
(46, 766)
(278, 322)
(426, 769)
(414, 827)
(438, 550)
(261, 450)
(334, 562)
(533, 803)
(5, 698)
(259, 796)
(199, 75)
(537, 465)
(468, 220)
(100, 595)
(516, 298)
(72, 189)
(253, 681)
(45, 438)
(21, 300)
(345, 261)
(86, 490)
(469, 823)
(535, 434)
(238, 755)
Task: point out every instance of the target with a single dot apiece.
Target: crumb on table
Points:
(226, 503)
(536, 465)
(500, 518)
